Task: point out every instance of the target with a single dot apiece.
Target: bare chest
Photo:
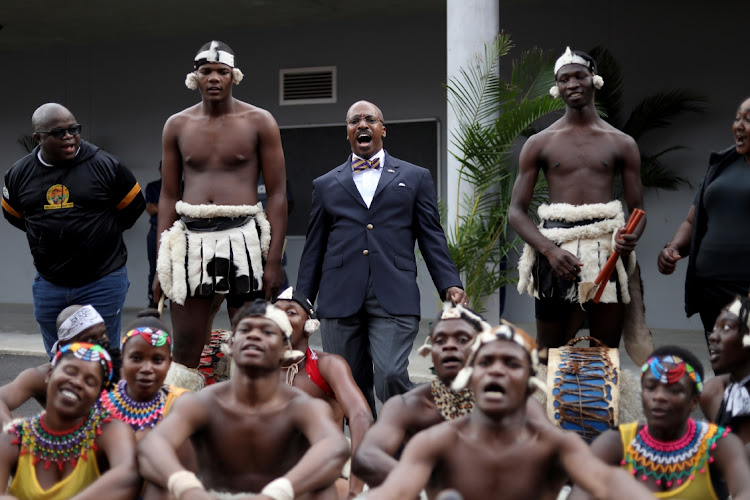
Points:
(219, 144)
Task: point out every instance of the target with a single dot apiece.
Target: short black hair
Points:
(254, 308)
(687, 356)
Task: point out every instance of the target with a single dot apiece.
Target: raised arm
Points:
(321, 465)
(374, 458)
(271, 157)
(413, 471)
(171, 179)
(121, 480)
(337, 373)
(564, 263)
(631, 182)
(678, 246)
(28, 384)
(157, 451)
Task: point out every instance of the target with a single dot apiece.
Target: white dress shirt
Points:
(367, 180)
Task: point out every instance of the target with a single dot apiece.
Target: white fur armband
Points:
(279, 489)
(181, 481)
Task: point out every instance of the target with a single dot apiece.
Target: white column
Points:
(470, 24)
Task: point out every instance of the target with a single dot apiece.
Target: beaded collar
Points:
(673, 461)
(55, 447)
(138, 415)
(449, 403)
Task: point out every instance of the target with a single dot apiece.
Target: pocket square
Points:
(401, 184)
(391, 171)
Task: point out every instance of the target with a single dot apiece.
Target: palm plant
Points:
(654, 112)
(491, 115)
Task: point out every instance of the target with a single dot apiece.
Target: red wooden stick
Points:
(609, 267)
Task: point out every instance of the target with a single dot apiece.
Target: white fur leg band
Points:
(181, 481)
(279, 489)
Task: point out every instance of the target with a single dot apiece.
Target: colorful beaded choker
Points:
(59, 447)
(138, 415)
(153, 336)
(672, 375)
(673, 461)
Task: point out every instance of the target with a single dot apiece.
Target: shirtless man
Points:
(252, 433)
(75, 323)
(580, 155)
(324, 376)
(496, 452)
(219, 146)
(426, 405)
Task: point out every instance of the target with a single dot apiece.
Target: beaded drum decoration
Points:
(584, 387)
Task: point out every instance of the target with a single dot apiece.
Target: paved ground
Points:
(21, 344)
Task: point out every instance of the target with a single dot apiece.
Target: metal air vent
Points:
(307, 85)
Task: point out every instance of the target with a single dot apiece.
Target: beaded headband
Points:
(506, 331)
(82, 319)
(454, 311)
(154, 336)
(671, 376)
(89, 352)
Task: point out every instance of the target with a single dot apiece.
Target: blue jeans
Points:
(106, 294)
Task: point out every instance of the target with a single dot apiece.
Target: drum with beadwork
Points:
(583, 385)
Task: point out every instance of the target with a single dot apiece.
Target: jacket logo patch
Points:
(6, 194)
(57, 197)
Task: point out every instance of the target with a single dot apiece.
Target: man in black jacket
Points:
(73, 201)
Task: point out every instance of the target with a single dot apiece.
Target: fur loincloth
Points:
(592, 243)
(202, 263)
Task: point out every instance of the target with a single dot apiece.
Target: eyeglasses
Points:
(59, 133)
(369, 119)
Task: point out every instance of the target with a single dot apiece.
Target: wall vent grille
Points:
(316, 85)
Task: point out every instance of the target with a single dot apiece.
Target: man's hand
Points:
(565, 264)
(457, 296)
(273, 279)
(625, 243)
(668, 258)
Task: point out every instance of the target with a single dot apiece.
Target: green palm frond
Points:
(492, 115)
(658, 111)
(609, 98)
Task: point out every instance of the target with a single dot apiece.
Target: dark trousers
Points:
(376, 345)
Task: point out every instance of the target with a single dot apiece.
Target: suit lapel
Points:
(344, 176)
(388, 174)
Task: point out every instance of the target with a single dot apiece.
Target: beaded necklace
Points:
(137, 414)
(449, 403)
(58, 446)
(673, 461)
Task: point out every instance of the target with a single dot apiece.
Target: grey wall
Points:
(123, 93)
(661, 46)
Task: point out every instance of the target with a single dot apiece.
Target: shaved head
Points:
(368, 103)
(48, 112)
(66, 313)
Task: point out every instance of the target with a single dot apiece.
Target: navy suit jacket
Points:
(347, 242)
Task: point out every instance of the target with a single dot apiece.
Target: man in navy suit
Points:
(359, 256)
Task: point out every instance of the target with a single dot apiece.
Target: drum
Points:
(583, 385)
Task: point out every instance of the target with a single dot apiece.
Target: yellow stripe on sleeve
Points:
(129, 197)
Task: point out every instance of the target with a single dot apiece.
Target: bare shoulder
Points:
(175, 122)
(254, 114)
(329, 363)
(616, 134)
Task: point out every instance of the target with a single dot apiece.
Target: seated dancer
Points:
(496, 451)
(673, 455)
(73, 449)
(74, 324)
(725, 399)
(426, 405)
(324, 376)
(141, 399)
(252, 433)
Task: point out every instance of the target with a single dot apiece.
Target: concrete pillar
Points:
(470, 24)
